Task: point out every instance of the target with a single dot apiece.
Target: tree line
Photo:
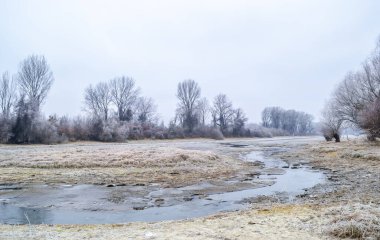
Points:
(356, 101)
(291, 122)
(117, 111)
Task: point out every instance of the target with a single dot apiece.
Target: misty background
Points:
(260, 53)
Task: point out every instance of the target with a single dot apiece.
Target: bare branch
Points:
(35, 80)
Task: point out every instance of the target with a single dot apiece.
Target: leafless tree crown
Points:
(222, 112)
(291, 121)
(98, 100)
(146, 110)
(124, 94)
(188, 93)
(35, 79)
(355, 99)
(7, 94)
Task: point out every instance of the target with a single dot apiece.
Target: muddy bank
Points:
(346, 205)
(120, 203)
(352, 168)
(350, 199)
(277, 223)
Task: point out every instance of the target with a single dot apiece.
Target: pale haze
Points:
(260, 53)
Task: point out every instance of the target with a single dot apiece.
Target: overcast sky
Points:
(260, 53)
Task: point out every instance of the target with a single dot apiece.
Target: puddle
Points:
(91, 204)
(235, 145)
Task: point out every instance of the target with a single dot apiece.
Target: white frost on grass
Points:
(354, 221)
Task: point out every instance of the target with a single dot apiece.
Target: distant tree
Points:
(273, 117)
(35, 80)
(22, 129)
(222, 113)
(188, 93)
(266, 117)
(98, 100)
(291, 121)
(124, 94)
(146, 110)
(7, 103)
(203, 110)
(7, 95)
(305, 124)
(238, 123)
(331, 122)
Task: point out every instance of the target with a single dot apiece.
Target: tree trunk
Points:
(337, 137)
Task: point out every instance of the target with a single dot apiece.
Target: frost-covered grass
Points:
(87, 162)
(76, 156)
(354, 221)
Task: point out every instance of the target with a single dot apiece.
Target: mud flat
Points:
(345, 205)
(100, 204)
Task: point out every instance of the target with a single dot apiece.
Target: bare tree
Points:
(7, 95)
(356, 97)
(266, 117)
(98, 100)
(203, 110)
(272, 117)
(349, 98)
(359, 89)
(7, 103)
(331, 122)
(188, 93)
(222, 113)
(35, 80)
(369, 120)
(124, 95)
(291, 121)
(239, 122)
(146, 110)
(305, 124)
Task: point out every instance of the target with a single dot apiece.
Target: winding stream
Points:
(91, 204)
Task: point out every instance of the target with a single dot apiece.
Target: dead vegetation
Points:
(279, 222)
(354, 221)
(99, 163)
(347, 206)
(353, 171)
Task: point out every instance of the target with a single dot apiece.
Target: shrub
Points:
(45, 132)
(216, 134)
(111, 131)
(5, 129)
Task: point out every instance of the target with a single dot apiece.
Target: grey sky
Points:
(259, 53)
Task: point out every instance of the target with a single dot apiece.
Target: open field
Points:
(346, 205)
(142, 162)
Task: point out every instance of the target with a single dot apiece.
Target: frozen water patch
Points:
(91, 204)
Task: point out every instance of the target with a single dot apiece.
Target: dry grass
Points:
(98, 156)
(353, 169)
(354, 221)
(276, 223)
(100, 163)
(349, 209)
